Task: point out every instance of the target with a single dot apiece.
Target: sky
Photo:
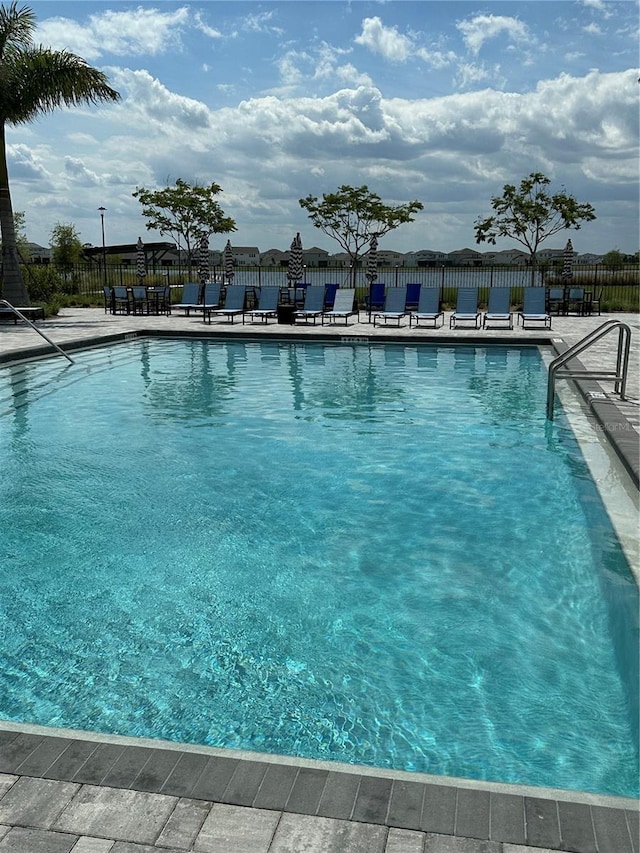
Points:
(441, 102)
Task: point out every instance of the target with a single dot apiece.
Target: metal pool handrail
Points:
(619, 375)
(19, 313)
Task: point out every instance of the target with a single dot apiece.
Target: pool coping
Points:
(462, 808)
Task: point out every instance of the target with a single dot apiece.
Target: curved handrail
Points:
(19, 313)
(622, 362)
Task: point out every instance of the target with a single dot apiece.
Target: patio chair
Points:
(313, 304)
(466, 308)
(499, 308)
(233, 304)
(343, 306)
(413, 296)
(139, 300)
(575, 301)
(394, 306)
(428, 309)
(534, 308)
(163, 300)
(555, 300)
(120, 301)
(591, 302)
(190, 298)
(108, 299)
(267, 305)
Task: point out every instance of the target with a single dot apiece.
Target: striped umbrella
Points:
(203, 259)
(567, 263)
(294, 270)
(228, 262)
(141, 261)
(372, 261)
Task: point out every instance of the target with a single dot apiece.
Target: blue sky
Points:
(444, 102)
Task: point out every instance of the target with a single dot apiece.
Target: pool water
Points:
(383, 555)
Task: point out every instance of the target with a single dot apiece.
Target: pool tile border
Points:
(462, 808)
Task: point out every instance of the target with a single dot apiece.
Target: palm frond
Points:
(16, 28)
(39, 80)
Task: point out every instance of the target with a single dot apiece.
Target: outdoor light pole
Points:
(104, 251)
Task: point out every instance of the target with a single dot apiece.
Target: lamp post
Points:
(104, 251)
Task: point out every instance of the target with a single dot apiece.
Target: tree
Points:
(613, 260)
(185, 212)
(33, 81)
(66, 247)
(353, 215)
(529, 215)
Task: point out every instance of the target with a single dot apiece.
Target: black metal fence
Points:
(620, 287)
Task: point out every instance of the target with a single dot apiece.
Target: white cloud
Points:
(386, 41)
(593, 30)
(480, 29)
(132, 32)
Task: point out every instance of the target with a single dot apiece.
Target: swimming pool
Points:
(375, 554)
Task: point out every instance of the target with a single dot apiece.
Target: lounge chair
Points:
(313, 304)
(233, 304)
(343, 306)
(267, 305)
(330, 291)
(575, 301)
(190, 298)
(210, 298)
(394, 306)
(413, 296)
(498, 309)
(466, 308)
(429, 309)
(374, 299)
(534, 307)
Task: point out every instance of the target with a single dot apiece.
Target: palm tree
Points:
(33, 81)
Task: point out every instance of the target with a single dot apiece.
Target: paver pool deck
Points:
(78, 791)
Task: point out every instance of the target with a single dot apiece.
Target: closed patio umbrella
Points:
(229, 271)
(372, 261)
(294, 270)
(203, 259)
(141, 261)
(567, 263)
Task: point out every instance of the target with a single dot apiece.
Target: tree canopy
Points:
(353, 215)
(186, 212)
(66, 246)
(529, 214)
(34, 81)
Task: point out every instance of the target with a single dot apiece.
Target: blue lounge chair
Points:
(556, 300)
(499, 308)
(233, 304)
(330, 295)
(313, 304)
(534, 308)
(374, 299)
(267, 305)
(210, 299)
(394, 306)
(429, 309)
(413, 296)
(343, 306)
(190, 298)
(466, 308)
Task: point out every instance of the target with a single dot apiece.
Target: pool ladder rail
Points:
(19, 314)
(558, 370)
